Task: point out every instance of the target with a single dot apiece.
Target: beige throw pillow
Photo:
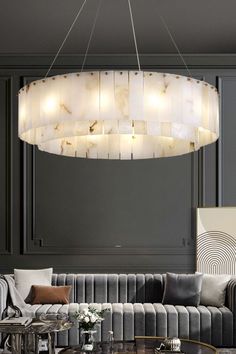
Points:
(214, 289)
(25, 278)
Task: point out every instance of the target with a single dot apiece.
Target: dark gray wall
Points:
(109, 216)
(40, 26)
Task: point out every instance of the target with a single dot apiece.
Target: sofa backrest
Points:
(112, 288)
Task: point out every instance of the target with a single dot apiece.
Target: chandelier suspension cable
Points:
(174, 43)
(66, 36)
(91, 33)
(134, 35)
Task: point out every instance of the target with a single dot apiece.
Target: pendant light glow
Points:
(119, 114)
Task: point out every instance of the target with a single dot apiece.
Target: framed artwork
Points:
(216, 240)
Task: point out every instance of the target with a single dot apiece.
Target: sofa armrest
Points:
(3, 296)
(231, 295)
(231, 299)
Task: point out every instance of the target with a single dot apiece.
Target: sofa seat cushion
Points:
(207, 324)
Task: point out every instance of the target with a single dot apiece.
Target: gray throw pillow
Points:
(182, 289)
(214, 289)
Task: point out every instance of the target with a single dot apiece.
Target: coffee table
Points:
(188, 346)
(143, 345)
(26, 339)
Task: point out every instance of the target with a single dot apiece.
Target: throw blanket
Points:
(16, 305)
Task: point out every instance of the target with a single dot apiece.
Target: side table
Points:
(26, 339)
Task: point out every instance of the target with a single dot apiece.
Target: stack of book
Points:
(16, 321)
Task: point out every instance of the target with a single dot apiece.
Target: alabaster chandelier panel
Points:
(118, 114)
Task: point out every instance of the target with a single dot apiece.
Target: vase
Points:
(173, 344)
(88, 340)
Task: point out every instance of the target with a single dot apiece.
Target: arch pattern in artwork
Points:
(216, 253)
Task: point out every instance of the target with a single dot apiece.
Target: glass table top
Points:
(143, 345)
(38, 327)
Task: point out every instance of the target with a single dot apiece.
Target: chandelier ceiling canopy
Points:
(118, 114)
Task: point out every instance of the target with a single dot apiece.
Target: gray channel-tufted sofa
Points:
(136, 309)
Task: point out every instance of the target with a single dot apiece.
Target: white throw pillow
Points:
(214, 289)
(25, 278)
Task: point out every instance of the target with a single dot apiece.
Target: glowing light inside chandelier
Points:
(119, 114)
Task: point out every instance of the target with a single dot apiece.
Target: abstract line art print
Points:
(216, 240)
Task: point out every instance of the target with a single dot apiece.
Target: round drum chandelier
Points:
(118, 114)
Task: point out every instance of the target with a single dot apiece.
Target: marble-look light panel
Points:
(145, 114)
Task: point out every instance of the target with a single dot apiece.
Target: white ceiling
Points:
(38, 26)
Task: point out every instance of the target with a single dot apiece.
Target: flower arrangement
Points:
(89, 317)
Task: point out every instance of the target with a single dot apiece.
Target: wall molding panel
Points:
(26, 63)
(226, 172)
(127, 268)
(35, 243)
(6, 161)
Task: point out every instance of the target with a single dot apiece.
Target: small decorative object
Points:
(173, 344)
(53, 317)
(111, 340)
(87, 319)
(159, 349)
